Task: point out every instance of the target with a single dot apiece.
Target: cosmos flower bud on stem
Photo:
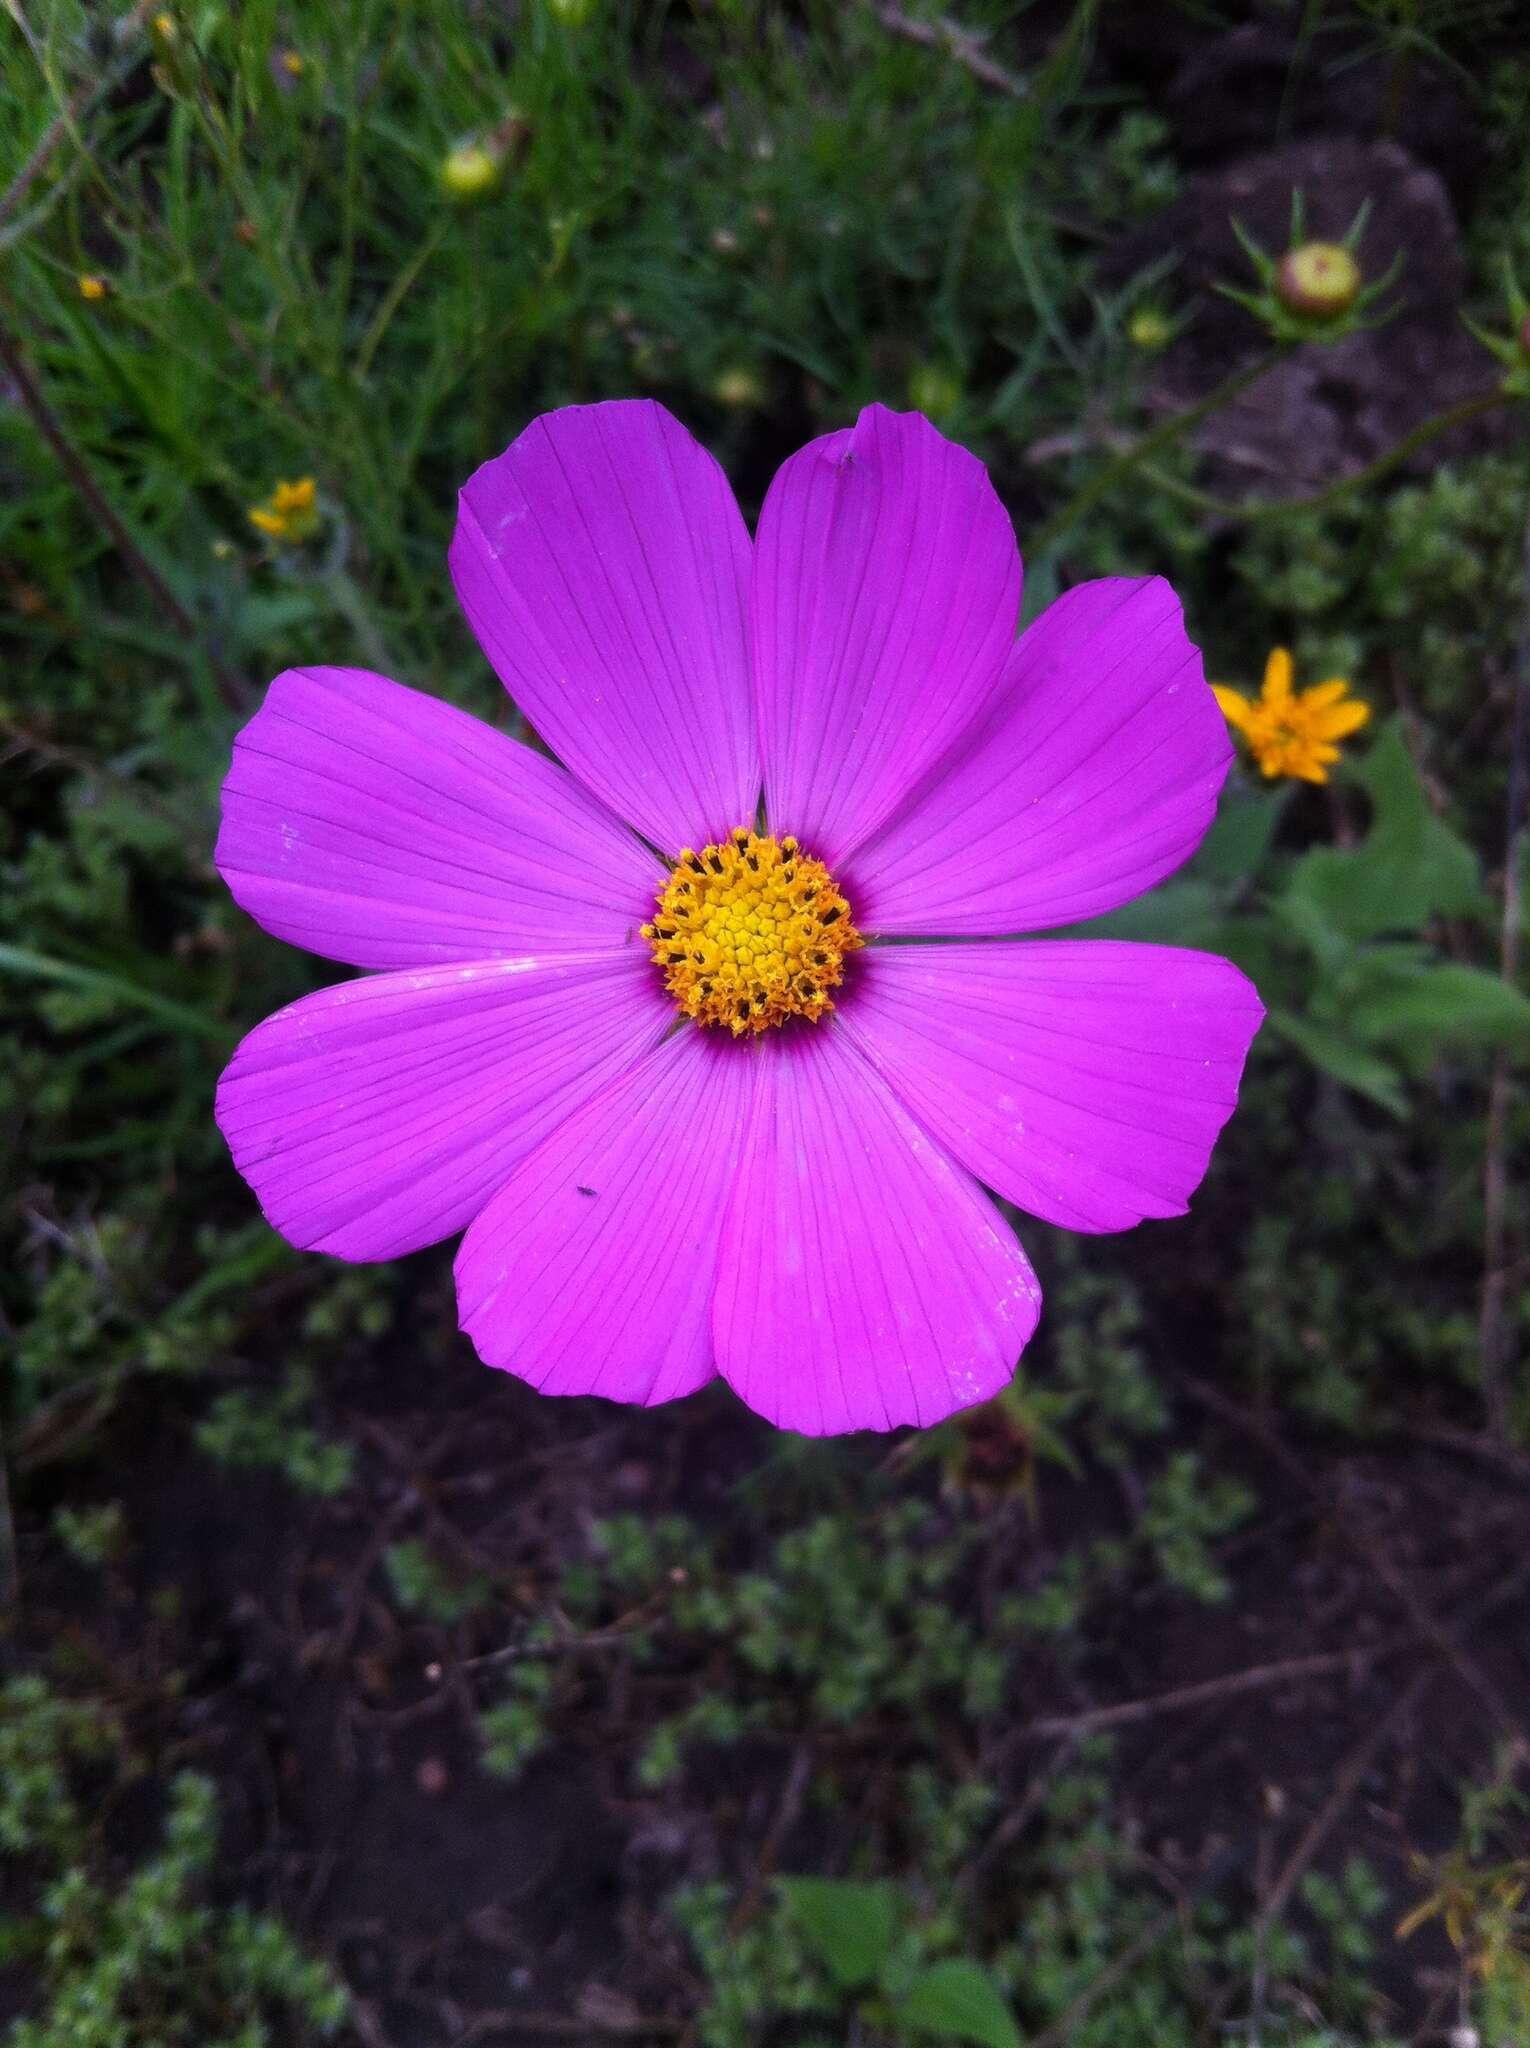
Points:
(1316, 291)
(473, 168)
(1320, 279)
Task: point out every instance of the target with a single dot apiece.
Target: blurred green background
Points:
(350, 1692)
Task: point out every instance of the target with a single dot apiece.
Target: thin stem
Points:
(10, 1572)
(396, 294)
(1332, 494)
(1495, 1180)
(960, 44)
(66, 120)
(75, 467)
(1162, 436)
(43, 967)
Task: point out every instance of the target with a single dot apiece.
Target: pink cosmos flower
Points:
(650, 1021)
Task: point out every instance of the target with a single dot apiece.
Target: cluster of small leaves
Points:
(907, 1962)
(119, 1959)
(424, 1584)
(258, 1430)
(848, 1617)
(43, 1738)
(1097, 1333)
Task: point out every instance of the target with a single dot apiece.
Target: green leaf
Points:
(1333, 1054)
(1235, 847)
(961, 2000)
(1425, 1004)
(850, 1927)
(1040, 590)
(1171, 916)
(1411, 867)
(43, 967)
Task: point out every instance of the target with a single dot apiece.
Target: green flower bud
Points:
(1149, 329)
(933, 390)
(1320, 280)
(739, 388)
(469, 172)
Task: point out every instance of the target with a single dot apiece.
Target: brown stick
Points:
(1256, 1678)
(959, 43)
(1354, 1769)
(1361, 1541)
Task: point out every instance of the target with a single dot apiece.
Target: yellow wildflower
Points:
(92, 287)
(290, 513)
(1293, 732)
(293, 63)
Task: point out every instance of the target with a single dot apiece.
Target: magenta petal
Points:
(372, 824)
(591, 1271)
(886, 589)
(1084, 1081)
(381, 1115)
(604, 566)
(864, 1280)
(1095, 775)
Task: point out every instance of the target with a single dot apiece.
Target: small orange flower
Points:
(290, 513)
(1293, 732)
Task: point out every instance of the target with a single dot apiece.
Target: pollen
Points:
(751, 932)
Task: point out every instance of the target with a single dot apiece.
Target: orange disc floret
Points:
(750, 932)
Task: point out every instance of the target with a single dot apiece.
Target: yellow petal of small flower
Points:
(1339, 722)
(1235, 707)
(268, 522)
(92, 287)
(1277, 676)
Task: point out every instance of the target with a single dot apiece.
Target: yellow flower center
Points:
(751, 932)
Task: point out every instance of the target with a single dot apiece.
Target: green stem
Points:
(1163, 436)
(352, 607)
(19, 960)
(397, 292)
(1331, 494)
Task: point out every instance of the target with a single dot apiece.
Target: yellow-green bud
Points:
(1320, 280)
(470, 172)
(739, 387)
(1149, 329)
(933, 390)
